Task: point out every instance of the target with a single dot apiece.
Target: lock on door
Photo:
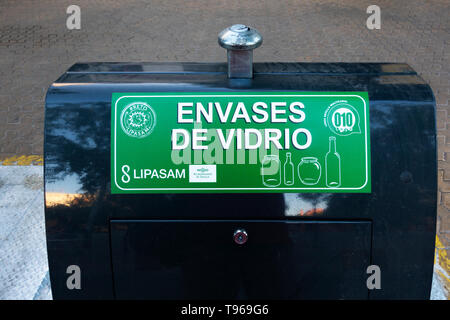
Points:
(240, 236)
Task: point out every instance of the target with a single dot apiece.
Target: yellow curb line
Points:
(22, 161)
(442, 265)
(446, 278)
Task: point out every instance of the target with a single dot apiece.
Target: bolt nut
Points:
(240, 37)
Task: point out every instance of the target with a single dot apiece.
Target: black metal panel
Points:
(402, 205)
(280, 260)
(272, 68)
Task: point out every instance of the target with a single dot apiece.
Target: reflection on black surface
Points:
(77, 140)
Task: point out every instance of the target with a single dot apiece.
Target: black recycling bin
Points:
(241, 180)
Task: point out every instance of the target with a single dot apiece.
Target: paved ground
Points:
(36, 48)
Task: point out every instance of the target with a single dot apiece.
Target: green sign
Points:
(222, 142)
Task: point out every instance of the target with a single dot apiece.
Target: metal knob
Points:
(240, 40)
(240, 236)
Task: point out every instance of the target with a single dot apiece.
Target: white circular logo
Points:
(138, 120)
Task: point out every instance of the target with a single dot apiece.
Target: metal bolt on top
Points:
(240, 40)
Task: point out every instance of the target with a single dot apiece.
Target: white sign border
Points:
(234, 95)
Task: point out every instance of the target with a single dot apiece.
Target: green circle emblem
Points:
(138, 120)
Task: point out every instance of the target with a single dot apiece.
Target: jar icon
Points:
(271, 171)
(309, 171)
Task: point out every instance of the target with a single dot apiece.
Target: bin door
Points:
(156, 259)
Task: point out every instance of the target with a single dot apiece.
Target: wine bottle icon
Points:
(288, 170)
(333, 165)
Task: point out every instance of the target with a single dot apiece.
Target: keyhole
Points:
(240, 236)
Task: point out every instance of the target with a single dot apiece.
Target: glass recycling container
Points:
(157, 183)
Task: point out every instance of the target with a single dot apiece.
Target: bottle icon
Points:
(333, 165)
(288, 170)
(271, 171)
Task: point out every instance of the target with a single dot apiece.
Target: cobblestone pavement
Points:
(36, 48)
